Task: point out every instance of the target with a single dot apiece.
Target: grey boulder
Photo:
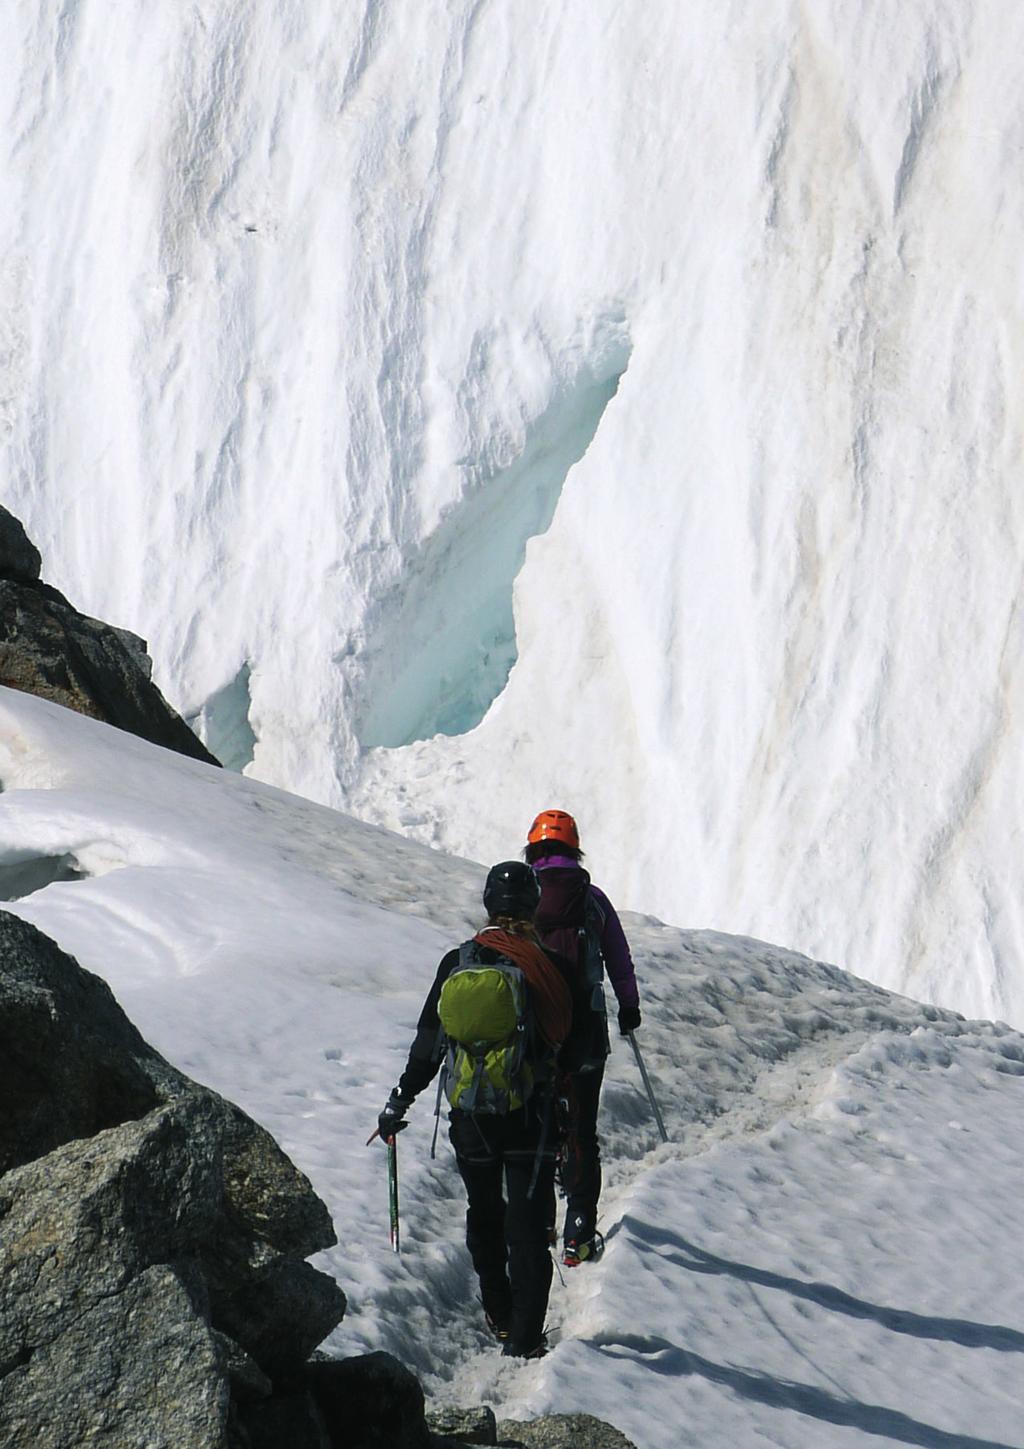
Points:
(152, 1236)
(563, 1431)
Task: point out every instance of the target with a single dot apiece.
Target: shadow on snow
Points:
(898, 1320)
(665, 1357)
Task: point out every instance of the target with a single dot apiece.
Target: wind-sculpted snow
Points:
(288, 294)
(824, 1253)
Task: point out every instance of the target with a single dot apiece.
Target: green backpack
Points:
(492, 1063)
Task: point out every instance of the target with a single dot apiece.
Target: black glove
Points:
(392, 1119)
(629, 1019)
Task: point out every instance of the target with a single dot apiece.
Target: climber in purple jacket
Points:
(578, 920)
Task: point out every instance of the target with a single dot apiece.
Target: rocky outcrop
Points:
(48, 648)
(477, 1429)
(562, 1431)
(19, 557)
(465, 1426)
(152, 1236)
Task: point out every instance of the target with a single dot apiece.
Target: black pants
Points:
(581, 1172)
(507, 1225)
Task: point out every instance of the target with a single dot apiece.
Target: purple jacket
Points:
(618, 962)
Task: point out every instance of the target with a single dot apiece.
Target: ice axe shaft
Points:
(647, 1084)
(392, 1146)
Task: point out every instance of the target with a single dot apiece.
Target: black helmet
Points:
(512, 889)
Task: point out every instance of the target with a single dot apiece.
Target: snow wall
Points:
(482, 405)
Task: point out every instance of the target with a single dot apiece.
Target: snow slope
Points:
(627, 390)
(821, 1258)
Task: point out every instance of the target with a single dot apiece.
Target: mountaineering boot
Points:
(582, 1250)
(581, 1242)
(497, 1306)
(498, 1326)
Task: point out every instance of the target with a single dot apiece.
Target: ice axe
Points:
(391, 1143)
(647, 1084)
(392, 1146)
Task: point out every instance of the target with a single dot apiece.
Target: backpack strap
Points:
(593, 920)
(441, 1077)
(542, 1142)
(590, 933)
(473, 1089)
(595, 910)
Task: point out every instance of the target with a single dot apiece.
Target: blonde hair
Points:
(515, 927)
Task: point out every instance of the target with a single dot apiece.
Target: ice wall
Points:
(698, 329)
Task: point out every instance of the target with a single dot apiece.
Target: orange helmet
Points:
(554, 825)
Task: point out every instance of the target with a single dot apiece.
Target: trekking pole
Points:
(392, 1146)
(647, 1083)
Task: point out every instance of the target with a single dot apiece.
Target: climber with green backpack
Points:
(498, 1024)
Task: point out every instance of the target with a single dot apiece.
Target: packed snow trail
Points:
(775, 1046)
(822, 1257)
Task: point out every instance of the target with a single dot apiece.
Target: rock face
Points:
(152, 1236)
(563, 1431)
(477, 1429)
(48, 648)
(19, 557)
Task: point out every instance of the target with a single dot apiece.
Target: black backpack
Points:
(570, 920)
